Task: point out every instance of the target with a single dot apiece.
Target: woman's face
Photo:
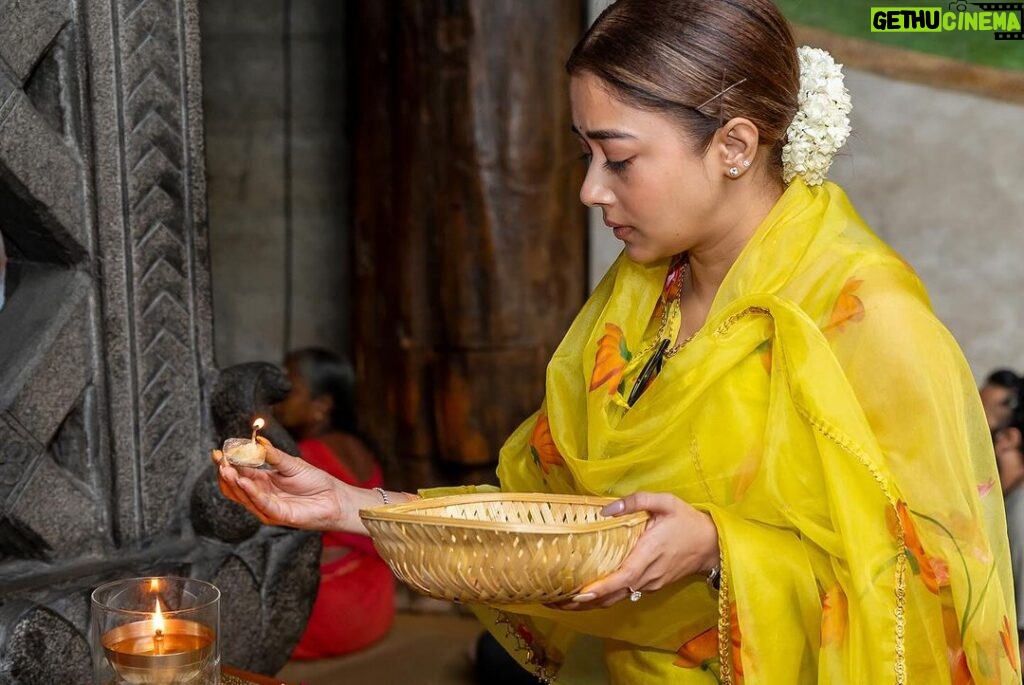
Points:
(658, 196)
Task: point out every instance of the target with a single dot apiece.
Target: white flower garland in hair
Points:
(821, 124)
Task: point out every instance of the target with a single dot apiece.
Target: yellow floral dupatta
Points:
(830, 426)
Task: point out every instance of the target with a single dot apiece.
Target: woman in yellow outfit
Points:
(761, 373)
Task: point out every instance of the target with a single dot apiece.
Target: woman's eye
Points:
(586, 157)
(617, 167)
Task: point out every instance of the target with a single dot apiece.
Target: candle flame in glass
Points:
(154, 585)
(158, 619)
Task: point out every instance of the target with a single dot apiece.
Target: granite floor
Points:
(422, 648)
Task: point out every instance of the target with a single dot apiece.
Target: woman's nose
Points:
(593, 192)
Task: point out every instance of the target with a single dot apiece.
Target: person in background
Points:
(999, 396)
(355, 604)
(1009, 446)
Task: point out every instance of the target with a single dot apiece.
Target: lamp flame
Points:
(154, 585)
(259, 423)
(158, 619)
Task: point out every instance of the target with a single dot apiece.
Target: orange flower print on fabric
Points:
(960, 672)
(673, 285)
(699, 651)
(1006, 636)
(611, 360)
(674, 279)
(940, 571)
(745, 473)
(986, 487)
(542, 445)
(734, 636)
(848, 307)
(834, 617)
(934, 571)
(702, 651)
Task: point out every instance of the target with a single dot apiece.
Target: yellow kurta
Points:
(829, 424)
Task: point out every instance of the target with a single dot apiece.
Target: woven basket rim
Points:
(406, 512)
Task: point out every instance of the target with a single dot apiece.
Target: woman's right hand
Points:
(294, 493)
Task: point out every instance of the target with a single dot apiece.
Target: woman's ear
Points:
(735, 145)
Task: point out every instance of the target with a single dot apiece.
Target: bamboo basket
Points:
(502, 548)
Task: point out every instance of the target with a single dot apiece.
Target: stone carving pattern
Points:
(155, 166)
(18, 454)
(18, 449)
(155, 175)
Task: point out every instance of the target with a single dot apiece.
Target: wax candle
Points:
(158, 630)
(158, 650)
(241, 452)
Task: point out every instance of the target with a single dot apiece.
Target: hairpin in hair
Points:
(721, 93)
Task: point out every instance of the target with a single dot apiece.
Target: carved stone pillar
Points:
(106, 365)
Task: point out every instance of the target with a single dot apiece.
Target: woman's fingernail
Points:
(614, 508)
(585, 597)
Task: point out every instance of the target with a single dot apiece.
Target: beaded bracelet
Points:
(383, 495)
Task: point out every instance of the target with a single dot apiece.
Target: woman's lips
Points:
(621, 232)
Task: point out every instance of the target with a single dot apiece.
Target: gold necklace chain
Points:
(666, 317)
(658, 350)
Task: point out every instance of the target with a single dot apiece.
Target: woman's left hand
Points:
(679, 541)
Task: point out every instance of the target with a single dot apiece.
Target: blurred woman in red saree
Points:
(355, 605)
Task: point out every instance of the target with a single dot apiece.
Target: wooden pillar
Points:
(469, 237)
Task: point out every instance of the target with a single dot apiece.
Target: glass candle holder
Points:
(156, 631)
(244, 452)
